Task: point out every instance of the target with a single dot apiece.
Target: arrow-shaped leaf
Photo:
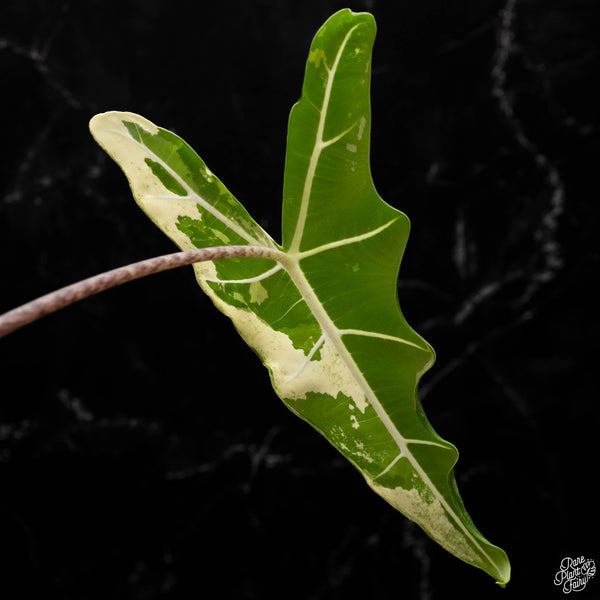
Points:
(324, 317)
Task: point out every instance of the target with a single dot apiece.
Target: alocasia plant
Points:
(321, 308)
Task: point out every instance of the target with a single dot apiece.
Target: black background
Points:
(143, 454)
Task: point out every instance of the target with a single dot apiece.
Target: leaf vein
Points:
(333, 333)
(333, 140)
(345, 241)
(208, 207)
(308, 358)
(255, 279)
(382, 336)
(318, 147)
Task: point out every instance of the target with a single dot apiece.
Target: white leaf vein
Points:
(345, 241)
(255, 279)
(308, 358)
(199, 200)
(318, 147)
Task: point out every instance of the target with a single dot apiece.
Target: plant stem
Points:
(49, 303)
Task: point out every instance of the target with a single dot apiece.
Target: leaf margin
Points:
(249, 329)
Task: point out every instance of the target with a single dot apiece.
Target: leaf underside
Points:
(325, 321)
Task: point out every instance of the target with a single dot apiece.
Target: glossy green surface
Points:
(325, 320)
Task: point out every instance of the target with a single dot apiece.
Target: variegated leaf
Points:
(324, 318)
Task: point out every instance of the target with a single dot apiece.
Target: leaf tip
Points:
(115, 118)
(506, 578)
(347, 13)
(501, 571)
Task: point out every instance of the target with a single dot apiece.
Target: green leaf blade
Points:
(331, 166)
(325, 320)
(327, 181)
(169, 180)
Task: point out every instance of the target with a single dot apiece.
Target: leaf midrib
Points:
(193, 195)
(318, 147)
(291, 263)
(322, 317)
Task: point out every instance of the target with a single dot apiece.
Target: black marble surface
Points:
(143, 454)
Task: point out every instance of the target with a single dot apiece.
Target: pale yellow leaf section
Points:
(162, 206)
(424, 508)
(291, 375)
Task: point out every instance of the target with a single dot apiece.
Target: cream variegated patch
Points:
(371, 432)
(293, 377)
(420, 505)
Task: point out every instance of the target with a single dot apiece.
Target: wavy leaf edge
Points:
(318, 356)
